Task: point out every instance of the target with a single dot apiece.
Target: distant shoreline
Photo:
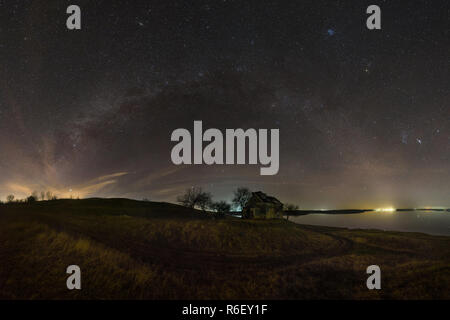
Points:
(294, 213)
(353, 211)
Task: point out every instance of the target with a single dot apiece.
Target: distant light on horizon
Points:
(385, 210)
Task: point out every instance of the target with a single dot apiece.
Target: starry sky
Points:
(363, 114)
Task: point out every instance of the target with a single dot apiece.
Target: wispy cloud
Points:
(83, 190)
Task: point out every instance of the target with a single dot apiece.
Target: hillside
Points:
(146, 250)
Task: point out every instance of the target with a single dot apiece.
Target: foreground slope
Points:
(145, 250)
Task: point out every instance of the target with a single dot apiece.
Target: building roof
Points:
(261, 196)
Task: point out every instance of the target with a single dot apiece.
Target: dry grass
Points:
(133, 250)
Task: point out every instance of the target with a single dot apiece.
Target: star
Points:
(140, 23)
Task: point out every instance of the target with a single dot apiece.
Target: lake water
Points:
(431, 222)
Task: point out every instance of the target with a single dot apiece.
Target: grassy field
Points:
(145, 250)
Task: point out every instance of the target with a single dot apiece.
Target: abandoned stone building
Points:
(262, 206)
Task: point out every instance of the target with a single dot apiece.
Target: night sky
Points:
(363, 114)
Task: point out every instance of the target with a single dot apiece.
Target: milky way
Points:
(363, 114)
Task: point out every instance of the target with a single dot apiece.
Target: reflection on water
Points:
(430, 222)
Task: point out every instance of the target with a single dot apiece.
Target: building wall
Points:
(262, 210)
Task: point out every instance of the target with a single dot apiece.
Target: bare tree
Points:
(10, 198)
(32, 198)
(42, 195)
(49, 195)
(241, 196)
(205, 201)
(289, 207)
(195, 198)
(221, 207)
